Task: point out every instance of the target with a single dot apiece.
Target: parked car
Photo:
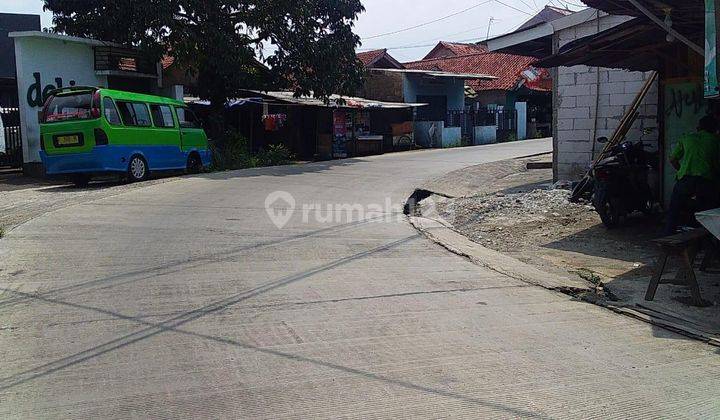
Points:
(88, 131)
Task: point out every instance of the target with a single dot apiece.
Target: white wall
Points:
(579, 100)
(54, 62)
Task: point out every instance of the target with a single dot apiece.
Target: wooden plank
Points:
(683, 238)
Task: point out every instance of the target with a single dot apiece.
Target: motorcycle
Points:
(621, 183)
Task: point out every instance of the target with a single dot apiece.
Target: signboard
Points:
(712, 90)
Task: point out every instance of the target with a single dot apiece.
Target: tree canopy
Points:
(221, 40)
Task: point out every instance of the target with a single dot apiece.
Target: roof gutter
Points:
(693, 46)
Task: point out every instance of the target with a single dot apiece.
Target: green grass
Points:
(2, 232)
(588, 275)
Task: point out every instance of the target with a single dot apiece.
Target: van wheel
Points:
(81, 180)
(194, 164)
(137, 169)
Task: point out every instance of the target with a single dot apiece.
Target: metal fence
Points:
(13, 138)
(504, 119)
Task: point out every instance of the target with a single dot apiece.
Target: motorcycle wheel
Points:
(609, 210)
(648, 208)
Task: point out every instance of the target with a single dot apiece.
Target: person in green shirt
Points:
(697, 161)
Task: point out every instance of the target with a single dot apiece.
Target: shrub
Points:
(275, 154)
(233, 152)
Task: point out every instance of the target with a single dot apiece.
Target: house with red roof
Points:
(518, 84)
(379, 59)
(445, 49)
(440, 92)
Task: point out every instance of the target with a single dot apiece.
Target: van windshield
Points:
(69, 107)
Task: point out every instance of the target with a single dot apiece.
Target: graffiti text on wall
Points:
(680, 101)
(36, 94)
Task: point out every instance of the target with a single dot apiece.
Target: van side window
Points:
(162, 116)
(111, 113)
(187, 118)
(134, 114)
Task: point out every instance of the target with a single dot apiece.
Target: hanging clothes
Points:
(274, 122)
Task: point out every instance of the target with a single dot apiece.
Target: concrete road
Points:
(184, 299)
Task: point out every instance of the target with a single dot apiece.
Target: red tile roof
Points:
(379, 59)
(507, 68)
(368, 57)
(450, 49)
(167, 61)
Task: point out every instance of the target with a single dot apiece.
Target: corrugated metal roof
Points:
(260, 97)
(350, 101)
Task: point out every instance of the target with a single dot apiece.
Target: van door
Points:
(167, 136)
(136, 132)
(192, 135)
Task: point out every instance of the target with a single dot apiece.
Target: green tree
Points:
(221, 40)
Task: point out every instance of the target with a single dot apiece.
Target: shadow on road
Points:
(174, 266)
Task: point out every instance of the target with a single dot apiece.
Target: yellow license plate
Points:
(68, 140)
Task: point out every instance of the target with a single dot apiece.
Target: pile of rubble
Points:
(501, 220)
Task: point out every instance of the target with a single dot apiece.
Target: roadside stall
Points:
(315, 130)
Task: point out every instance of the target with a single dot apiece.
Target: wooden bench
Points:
(686, 245)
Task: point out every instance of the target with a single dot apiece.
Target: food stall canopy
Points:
(633, 45)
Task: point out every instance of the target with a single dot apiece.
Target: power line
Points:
(534, 10)
(430, 22)
(514, 8)
(402, 47)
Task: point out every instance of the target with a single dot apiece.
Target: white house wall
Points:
(53, 62)
(578, 103)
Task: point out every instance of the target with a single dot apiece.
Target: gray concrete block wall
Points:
(590, 102)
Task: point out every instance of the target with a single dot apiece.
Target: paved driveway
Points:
(184, 299)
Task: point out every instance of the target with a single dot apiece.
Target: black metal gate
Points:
(504, 119)
(13, 139)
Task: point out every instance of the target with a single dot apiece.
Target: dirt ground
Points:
(518, 212)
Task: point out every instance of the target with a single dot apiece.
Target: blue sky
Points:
(383, 16)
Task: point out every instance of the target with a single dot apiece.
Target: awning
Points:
(336, 101)
(686, 17)
(634, 45)
(285, 97)
(686, 12)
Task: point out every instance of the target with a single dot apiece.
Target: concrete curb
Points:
(441, 233)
